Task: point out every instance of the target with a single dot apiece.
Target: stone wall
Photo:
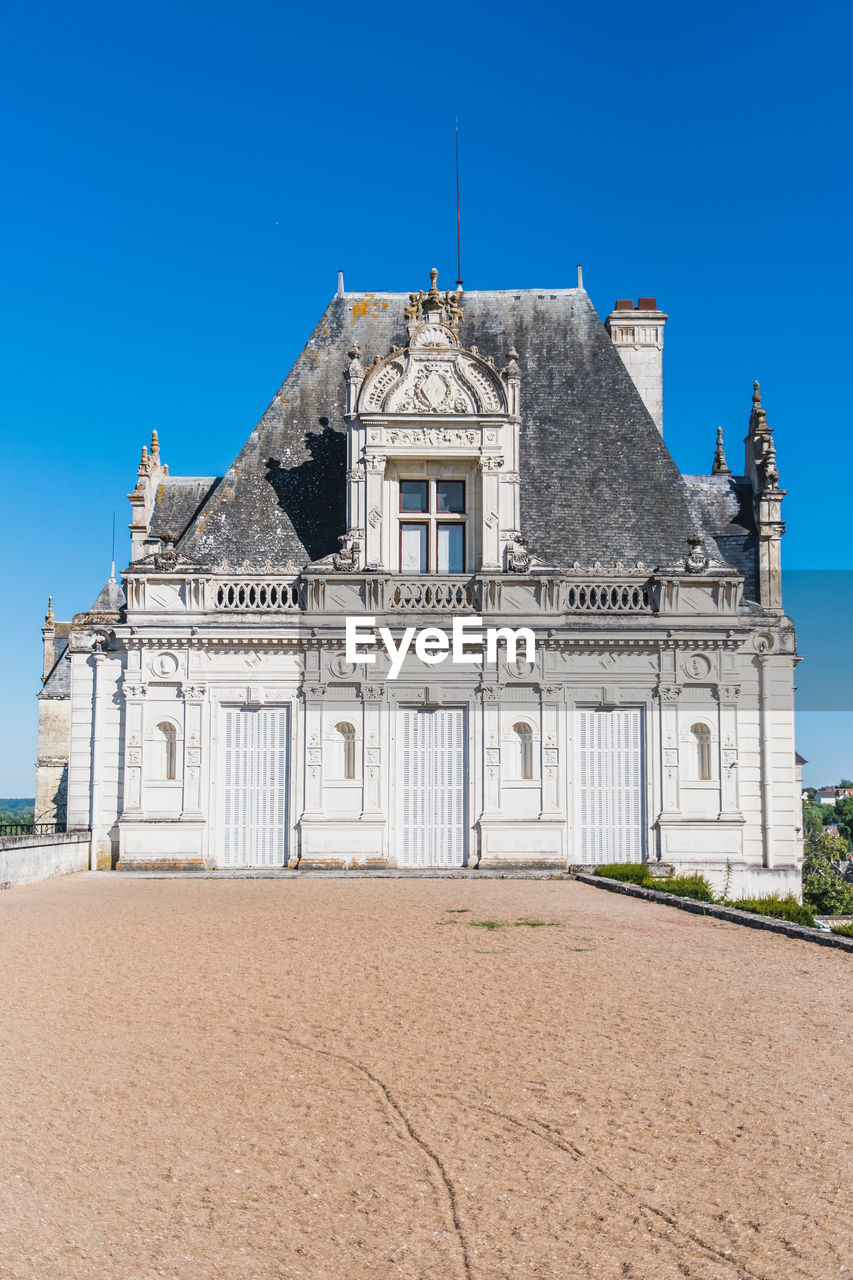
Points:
(27, 859)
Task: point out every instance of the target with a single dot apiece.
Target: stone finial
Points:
(697, 561)
(155, 444)
(720, 467)
(355, 368)
(49, 619)
(761, 440)
(455, 314)
(512, 370)
(433, 307)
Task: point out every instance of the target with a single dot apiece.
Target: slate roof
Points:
(722, 507)
(597, 480)
(58, 681)
(176, 502)
(111, 599)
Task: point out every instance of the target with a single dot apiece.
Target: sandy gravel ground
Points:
(347, 1079)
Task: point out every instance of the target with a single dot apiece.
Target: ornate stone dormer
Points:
(430, 413)
(763, 472)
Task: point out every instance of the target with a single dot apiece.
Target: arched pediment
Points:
(433, 380)
(434, 374)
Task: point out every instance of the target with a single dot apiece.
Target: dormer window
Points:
(433, 520)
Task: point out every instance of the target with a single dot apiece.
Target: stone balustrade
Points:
(582, 594)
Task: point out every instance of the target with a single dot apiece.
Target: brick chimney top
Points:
(643, 304)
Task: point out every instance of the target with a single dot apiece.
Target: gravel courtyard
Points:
(352, 1079)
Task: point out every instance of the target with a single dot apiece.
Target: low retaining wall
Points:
(732, 914)
(27, 859)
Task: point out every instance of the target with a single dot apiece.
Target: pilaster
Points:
(373, 698)
(195, 706)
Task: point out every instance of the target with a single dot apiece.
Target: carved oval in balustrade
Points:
(594, 597)
(266, 596)
(445, 597)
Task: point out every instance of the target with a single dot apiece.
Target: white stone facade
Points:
(217, 722)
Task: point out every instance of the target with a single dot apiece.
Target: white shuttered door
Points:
(433, 787)
(610, 785)
(255, 786)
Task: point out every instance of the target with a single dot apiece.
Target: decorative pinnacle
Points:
(433, 282)
(143, 468)
(155, 442)
(512, 370)
(760, 439)
(48, 617)
(720, 467)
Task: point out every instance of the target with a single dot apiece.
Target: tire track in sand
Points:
(388, 1098)
(569, 1148)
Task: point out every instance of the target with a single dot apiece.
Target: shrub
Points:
(779, 908)
(633, 872)
(684, 886)
(638, 873)
(824, 890)
(846, 930)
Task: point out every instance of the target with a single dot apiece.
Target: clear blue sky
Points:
(183, 180)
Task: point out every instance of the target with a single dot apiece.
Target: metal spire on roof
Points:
(458, 223)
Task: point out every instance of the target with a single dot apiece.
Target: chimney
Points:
(637, 334)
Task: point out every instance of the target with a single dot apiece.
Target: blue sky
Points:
(182, 182)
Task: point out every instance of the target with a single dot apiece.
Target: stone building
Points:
(495, 458)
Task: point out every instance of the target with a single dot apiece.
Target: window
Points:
(702, 740)
(347, 733)
(166, 751)
(432, 526)
(524, 733)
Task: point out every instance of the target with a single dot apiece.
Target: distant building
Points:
(831, 795)
(431, 456)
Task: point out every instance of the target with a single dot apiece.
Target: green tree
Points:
(844, 809)
(824, 890)
(812, 822)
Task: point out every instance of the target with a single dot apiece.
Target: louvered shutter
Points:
(433, 777)
(255, 771)
(610, 785)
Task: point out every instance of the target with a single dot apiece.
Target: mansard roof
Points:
(178, 500)
(722, 507)
(57, 683)
(597, 481)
